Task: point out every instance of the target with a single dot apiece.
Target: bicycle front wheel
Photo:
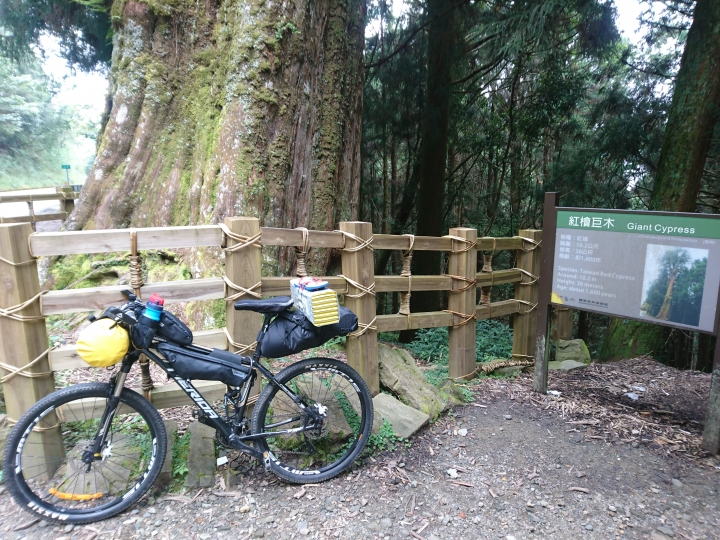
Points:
(301, 448)
(43, 460)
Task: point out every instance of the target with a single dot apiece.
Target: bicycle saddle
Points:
(276, 304)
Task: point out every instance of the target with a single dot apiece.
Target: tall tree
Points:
(442, 40)
(694, 113)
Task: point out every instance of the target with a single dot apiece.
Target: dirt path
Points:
(514, 466)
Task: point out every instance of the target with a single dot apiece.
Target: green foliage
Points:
(493, 340)
(83, 27)
(384, 439)
(437, 375)
(36, 137)
(284, 27)
(179, 456)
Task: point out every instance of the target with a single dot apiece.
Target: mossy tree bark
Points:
(694, 112)
(230, 108)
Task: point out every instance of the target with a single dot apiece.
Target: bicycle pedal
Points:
(266, 461)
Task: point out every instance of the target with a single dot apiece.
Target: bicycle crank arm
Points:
(267, 434)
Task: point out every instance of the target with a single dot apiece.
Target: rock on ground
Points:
(573, 349)
(566, 365)
(400, 375)
(201, 456)
(405, 420)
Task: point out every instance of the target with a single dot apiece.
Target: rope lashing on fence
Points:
(526, 303)
(489, 367)
(137, 282)
(14, 371)
(241, 348)
(370, 289)
(406, 272)
(17, 264)
(471, 282)
(301, 253)
(533, 244)
(12, 311)
(147, 383)
(486, 292)
(469, 244)
(466, 318)
(242, 240)
(362, 328)
(362, 244)
(242, 291)
(533, 277)
(136, 277)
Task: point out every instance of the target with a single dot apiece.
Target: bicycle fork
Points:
(95, 453)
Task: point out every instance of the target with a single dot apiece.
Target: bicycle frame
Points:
(209, 415)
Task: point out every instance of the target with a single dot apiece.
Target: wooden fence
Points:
(29, 365)
(65, 195)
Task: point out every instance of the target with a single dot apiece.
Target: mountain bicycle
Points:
(89, 451)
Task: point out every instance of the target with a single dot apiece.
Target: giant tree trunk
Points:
(231, 107)
(694, 111)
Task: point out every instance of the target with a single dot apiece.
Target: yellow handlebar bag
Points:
(103, 343)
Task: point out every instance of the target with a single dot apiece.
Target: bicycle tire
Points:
(349, 416)
(75, 488)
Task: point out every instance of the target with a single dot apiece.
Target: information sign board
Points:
(652, 266)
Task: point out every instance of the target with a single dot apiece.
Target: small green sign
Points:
(66, 167)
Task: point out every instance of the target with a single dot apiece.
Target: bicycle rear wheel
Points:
(43, 464)
(340, 395)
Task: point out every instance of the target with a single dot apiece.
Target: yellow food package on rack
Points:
(315, 300)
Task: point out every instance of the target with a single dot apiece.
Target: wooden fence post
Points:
(562, 324)
(525, 322)
(462, 262)
(23, 341)
(358, 266)
(711, 433)
(68, 203)
(242, 268)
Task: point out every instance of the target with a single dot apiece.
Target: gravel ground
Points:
(494, 469)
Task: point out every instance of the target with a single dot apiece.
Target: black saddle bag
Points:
(292, 332)
(219, 365)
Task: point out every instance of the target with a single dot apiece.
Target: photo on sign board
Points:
(673, 284)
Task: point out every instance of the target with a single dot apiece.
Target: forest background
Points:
(454, 113)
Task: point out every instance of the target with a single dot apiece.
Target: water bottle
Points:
(153, 311)
(154, 307)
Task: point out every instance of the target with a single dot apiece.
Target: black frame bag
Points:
(291, 332)
(219, 365)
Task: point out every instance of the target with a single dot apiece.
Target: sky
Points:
(86, 91)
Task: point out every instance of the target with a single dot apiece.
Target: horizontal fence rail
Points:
(29, 197)
(242, 266)
(95, 298)
(65, 195)
(51, 244)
